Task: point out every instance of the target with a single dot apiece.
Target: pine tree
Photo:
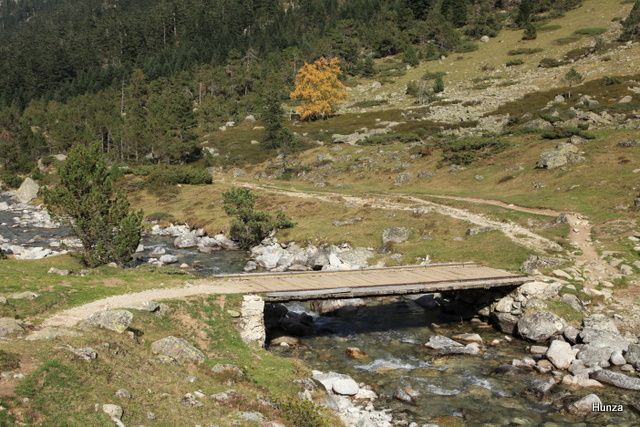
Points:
(573, 77)
(525, 12)
(530, 32)
(411, 56)
(276, 134)
(631, 25)
(89, 202)
(438, 85)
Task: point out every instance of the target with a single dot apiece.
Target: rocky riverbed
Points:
(420, 363)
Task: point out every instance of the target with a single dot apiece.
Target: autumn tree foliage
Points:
(319, 88)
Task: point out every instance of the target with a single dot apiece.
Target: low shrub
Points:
(303, 413)
(11, 180)
(173, 175)
(550, 63)
(525, 51)
(404, 138)
(591, 31)
(514, 63)
(611, 80)
(566, 133)
(467, 46)
(466, 152)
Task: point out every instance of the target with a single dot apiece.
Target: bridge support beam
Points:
(252, 328)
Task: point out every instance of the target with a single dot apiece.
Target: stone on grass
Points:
(10, 327)
(177, 350)
(394, 235)
(51, 333)
(112, 320)
(59, 272)
(26, 295)
(123, 393)
(114, 411)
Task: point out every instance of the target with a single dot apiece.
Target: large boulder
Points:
(506, 322)
(446, 346)
(268, 254)
(334, 382)
(113, 320)
(10, 327)
(563, 154)
(584, 406)
(539, 326)
(561, 354)
(187, 240)
(177, 350)
(28, 190)
(617, 379)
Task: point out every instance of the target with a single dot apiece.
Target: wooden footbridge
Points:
(377, 282)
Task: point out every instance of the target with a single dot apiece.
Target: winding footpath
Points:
(580, 237)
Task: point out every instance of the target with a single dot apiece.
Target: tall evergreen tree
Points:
(276, 134)
(631, 25)
(525, 12)
(88, 200)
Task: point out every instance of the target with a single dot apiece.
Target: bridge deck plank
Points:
(375, 282)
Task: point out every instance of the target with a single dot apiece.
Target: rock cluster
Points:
(562, 155)
(342, 393)
(274, 256)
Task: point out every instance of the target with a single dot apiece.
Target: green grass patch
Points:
(9, 361)
(591, 31)
(369, 103)
(562, 41)
(565, 311)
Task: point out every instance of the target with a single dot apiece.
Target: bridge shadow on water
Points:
(373, 315)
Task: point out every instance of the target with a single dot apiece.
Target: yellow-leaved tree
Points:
(319, 88)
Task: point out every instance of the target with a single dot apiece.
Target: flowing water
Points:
(454, 390)
(30, 226)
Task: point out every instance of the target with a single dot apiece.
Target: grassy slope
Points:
(63, 389)
(60, 292)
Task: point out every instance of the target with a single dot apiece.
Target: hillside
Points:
(505, 133)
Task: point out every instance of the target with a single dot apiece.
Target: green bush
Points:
(11, 180)
(250, 226)
(566, 133)
(611, 80)
(438, 85)
(391, 138)
(524, 51)
(466, 152)
(530, 32)
(467, 46)
(593, 31)
(514, 62)
(9, 361)
(177, 174)
(303, 413)
(550, 63)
